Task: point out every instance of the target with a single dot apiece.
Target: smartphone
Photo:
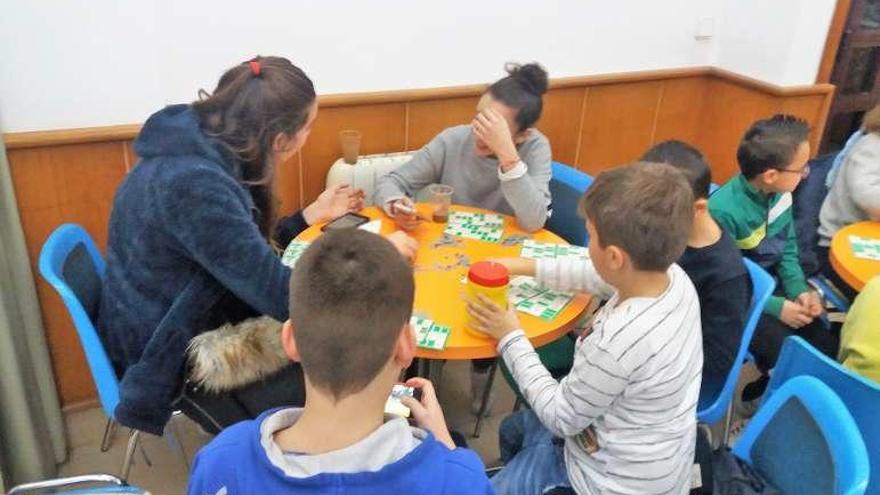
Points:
(393, 404)
(347, 221)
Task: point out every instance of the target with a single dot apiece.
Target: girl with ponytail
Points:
(190, 241)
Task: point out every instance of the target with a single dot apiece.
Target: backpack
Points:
(719, 472)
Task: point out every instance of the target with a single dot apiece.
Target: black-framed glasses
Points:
(804, 172)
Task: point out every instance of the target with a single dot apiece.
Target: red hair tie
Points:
(255, 67)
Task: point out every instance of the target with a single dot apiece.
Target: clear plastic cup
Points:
(441, 200)
(350, 140)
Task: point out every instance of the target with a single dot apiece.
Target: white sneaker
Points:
(479, 382)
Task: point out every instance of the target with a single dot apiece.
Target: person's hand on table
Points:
(795, 315)
(492, 129)
(404, 213)
(492, 319)
(405, 245)
(334, 202)
(517, 266)
(427, 413)
(811, 302)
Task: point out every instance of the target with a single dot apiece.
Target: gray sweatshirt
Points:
(387, 445)
(855, 193)
(450, 159)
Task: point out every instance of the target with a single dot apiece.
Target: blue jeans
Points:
(533, 458)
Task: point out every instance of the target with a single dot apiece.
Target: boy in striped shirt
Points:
(627, 410)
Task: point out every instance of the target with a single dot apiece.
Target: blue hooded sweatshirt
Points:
(244, 459)
(184, 255)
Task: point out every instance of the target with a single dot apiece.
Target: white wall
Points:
(101, 62)
(780, 41)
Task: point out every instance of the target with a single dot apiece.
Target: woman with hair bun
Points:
(498, 162)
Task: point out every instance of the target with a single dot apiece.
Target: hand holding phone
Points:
(394, 405)
(427, 411)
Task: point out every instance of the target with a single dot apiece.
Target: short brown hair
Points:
(685, 158)
(645, 209)
(771, 144)
(351, 292)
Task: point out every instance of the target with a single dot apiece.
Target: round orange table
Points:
(440, 291)
(854, 271)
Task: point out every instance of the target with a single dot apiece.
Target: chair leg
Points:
(424, 368)
(133, 437)
(109, 432)
(485, 402)
(728, 420)
(175, 430)
(147, 460)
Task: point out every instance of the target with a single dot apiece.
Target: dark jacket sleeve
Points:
(288, 228)
(204, 211)
(724, 310)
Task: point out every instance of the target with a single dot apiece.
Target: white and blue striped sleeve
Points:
(572, 273)
(567, 407)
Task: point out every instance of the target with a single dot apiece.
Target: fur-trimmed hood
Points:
(233, 356)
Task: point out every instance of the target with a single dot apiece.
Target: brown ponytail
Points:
(254, 102)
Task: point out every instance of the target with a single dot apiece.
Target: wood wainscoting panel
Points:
(618, 124)
(728, 110)
(561, 122)
(813, 109)
(383, 130)
(593, 122)
(681, 106)
(55, 185)
(425, 119)
(130, 157)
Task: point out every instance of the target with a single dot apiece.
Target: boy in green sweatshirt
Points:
(755, 208)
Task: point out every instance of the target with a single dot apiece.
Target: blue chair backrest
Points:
(803, 440)
(72, 264)
(567, 185)
(713, 403)
(860, 395)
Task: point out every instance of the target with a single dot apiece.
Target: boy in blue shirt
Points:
(351, 295)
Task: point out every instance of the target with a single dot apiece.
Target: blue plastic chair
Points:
(716, 403)
(99, 484)
(567, 186)
(860, 395)
(803, 440)
(72, 264)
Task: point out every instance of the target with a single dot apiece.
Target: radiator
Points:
(367, 170)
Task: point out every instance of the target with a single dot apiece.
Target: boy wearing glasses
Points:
(755, 208)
